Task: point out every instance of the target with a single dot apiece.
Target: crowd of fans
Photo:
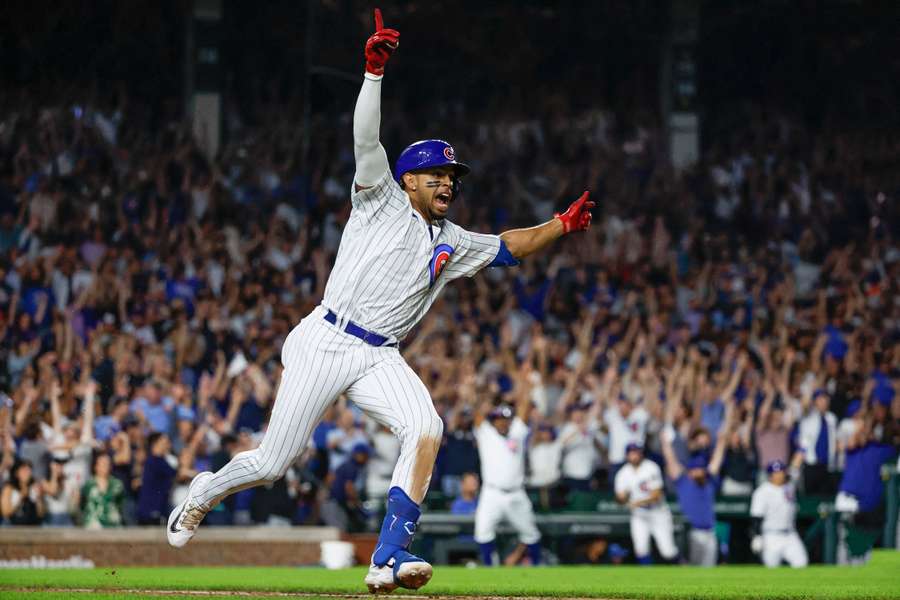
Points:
(145, 292)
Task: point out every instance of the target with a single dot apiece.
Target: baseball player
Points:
(397, 252)
(639, 484)
(773, 508)
(501, 437)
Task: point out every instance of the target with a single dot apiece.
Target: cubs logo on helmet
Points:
(449, 154)
(439, 258)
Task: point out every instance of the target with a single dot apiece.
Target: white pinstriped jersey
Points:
(502, 456)
(776, 505)
(391, 265)
(639, 482)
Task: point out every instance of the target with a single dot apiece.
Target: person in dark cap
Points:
(696, 484)
(344, 507)
(501, 433)
(860, 497)
(578, 443)
(817, 441)
(639, 485)
(773, 509)
(458, 454)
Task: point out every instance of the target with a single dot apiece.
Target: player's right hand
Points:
(380, 46)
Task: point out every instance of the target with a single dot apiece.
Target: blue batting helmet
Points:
(775, 466)
(504, 411)
(429, 153)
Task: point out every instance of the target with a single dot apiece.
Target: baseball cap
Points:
(883, 394)
(776, 466)
(504, 411)
(697, 461)
(361, 448)
(578, 406)
(634, 447)
(853, 408)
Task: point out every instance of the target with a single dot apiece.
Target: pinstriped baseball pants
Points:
(320, 363)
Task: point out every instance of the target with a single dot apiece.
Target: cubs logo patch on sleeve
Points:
(439, 258)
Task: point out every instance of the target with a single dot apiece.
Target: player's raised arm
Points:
(674, 468)
(371, 159)
(522, 242)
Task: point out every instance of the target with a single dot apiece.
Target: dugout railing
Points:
(597, 515)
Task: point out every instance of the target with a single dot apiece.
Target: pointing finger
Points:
(379, 22)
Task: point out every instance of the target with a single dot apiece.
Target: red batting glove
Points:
(380, 46)
(578, 216)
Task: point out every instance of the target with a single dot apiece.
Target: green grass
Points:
(878, 580)
(114, 596)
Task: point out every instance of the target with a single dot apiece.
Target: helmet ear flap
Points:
(455, 187)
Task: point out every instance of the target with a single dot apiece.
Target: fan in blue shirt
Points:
(696, 484)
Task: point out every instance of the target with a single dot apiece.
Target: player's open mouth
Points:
(442, 199)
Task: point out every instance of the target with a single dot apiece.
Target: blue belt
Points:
(373, 339)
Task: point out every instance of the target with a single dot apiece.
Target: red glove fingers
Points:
(578, 216)
(380, 45)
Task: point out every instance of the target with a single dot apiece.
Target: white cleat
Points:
(380, 580)
(414, 574)
(185, 518)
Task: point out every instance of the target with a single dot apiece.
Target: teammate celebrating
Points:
(639, 484)
(501, 437)
(397, 253)
(773, 508)
(696, 483)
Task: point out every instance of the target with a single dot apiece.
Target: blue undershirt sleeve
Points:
(504, 257)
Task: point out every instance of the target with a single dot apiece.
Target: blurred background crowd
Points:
(146, 289)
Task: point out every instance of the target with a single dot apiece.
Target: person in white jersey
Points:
(501, 436)
(773, 507)
(639, 484)
(397, 252)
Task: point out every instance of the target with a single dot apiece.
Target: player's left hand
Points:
(380, 46)
(578, 216)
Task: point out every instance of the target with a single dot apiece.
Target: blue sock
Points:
(398, 526)
(645, 560)
(534, 553)
(487, 553)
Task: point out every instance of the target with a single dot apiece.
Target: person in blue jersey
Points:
(696, 484)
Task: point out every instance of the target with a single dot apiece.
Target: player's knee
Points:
(426, 435)
(275, 472)
(434, 428)
(268, 468)
(429, 435)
